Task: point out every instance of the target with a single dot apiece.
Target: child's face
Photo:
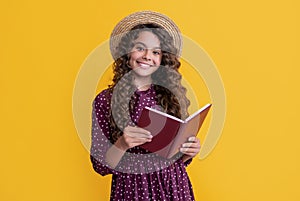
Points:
(146, 54)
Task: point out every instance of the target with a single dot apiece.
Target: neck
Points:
(142, 83)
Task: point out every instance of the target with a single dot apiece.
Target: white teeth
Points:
(144, 65)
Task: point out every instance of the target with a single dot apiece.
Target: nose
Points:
(146, 55)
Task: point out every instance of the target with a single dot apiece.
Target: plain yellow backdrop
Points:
(255, 45)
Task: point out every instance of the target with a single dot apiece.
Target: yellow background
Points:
(255, 45)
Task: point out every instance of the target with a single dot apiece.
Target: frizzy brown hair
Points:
(170, 94)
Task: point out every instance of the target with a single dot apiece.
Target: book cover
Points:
(169, 132)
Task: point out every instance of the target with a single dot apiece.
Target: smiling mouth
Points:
(144, 65)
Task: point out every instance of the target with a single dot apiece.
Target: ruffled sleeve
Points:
(101, 134)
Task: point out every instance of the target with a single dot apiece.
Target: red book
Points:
(169, 132)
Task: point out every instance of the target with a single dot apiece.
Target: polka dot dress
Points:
(140, 175)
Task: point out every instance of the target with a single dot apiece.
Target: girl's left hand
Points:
(191, 148)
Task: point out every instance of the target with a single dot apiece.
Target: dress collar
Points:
(145, 92)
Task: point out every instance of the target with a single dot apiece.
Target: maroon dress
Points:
(139, 175)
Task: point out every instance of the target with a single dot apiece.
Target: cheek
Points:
(158, 60)
(131, 59)
(134, 56)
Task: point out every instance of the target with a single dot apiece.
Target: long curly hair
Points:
(170, 94)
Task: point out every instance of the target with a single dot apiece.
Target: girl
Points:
(146, 46)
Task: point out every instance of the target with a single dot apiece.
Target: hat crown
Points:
(144, 17)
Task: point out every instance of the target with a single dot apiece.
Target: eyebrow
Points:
(143, 44)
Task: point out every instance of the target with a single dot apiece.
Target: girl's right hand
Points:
(132, 137)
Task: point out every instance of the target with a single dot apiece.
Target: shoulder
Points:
(103, 98)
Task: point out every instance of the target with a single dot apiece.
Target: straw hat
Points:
(144, 17)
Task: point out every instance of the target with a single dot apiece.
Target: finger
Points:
(189, 150)
(134, 138)
(137, 130)
(140, 130)
(193, 139)
(132, 142)
(138, 135)
(139, 142)
(191, 145)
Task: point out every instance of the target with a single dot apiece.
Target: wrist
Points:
(186, 158)
(120, 144)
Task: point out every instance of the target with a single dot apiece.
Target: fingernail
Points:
(191, 138)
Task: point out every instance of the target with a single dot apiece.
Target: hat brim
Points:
(144, 17)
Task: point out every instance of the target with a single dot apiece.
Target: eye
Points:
(156, 52)
(139, 48)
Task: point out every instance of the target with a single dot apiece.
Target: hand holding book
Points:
(133, 136)
(190, 148)
(169, 132)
